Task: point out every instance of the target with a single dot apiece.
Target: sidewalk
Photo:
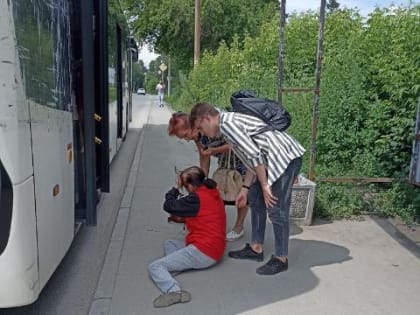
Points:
(344, 267)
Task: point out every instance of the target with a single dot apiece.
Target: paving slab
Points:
(340, 267)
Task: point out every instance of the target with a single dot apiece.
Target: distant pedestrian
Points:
(160, 89)
(273, 160)
(204, 244)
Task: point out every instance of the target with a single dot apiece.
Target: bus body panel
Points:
(39, 106)
(18, 262)
(15, 142)
(19, 277)
(52, 139)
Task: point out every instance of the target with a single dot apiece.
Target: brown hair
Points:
(199, 110)
(195, 176)
(179, 120)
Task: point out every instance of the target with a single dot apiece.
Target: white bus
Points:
(62, 120)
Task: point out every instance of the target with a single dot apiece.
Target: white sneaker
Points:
(233, 236)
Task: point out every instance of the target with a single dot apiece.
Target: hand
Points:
(242, 198)
(207, 152)
(176, 219)
(269, 199)
(178, 182)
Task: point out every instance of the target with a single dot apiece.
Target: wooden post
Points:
(315, 112)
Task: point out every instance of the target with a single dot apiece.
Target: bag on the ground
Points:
(229, 180)
(271, 112)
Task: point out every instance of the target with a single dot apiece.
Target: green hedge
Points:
(369, 86)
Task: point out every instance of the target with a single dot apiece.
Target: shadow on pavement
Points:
(234, 287)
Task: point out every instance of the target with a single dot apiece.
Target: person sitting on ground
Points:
(179, 126)
(205, 243)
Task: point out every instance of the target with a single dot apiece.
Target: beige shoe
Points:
(170, 298)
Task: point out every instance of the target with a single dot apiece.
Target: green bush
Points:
(339, 201)
(400, 200)
(370, 82)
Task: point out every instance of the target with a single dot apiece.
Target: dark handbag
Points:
(228, 179)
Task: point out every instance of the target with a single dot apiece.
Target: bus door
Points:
(115, 71)
(89, 49)
(101, 94)
(125, 86)
(118, 83)
(89, 55)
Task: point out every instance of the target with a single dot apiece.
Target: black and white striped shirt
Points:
(274, 149)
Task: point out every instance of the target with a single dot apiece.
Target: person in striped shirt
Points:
(273, 160)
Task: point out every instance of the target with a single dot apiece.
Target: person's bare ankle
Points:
(237, 229)
(257, 248)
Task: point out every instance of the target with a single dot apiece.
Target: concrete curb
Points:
(101, 302)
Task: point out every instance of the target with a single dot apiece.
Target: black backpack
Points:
(271, 112)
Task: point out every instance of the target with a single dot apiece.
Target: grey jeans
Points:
(178, 257)
(279, 214)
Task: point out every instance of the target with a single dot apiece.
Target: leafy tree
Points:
(300, 49)
(332, 5)
(368, 96)
(391, 55)
(342, 97)
(154, 74)
(168, 25)
(139, 71)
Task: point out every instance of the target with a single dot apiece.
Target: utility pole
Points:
(197, 32)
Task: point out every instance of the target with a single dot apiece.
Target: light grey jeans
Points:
(279, 214)
(178, 257)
